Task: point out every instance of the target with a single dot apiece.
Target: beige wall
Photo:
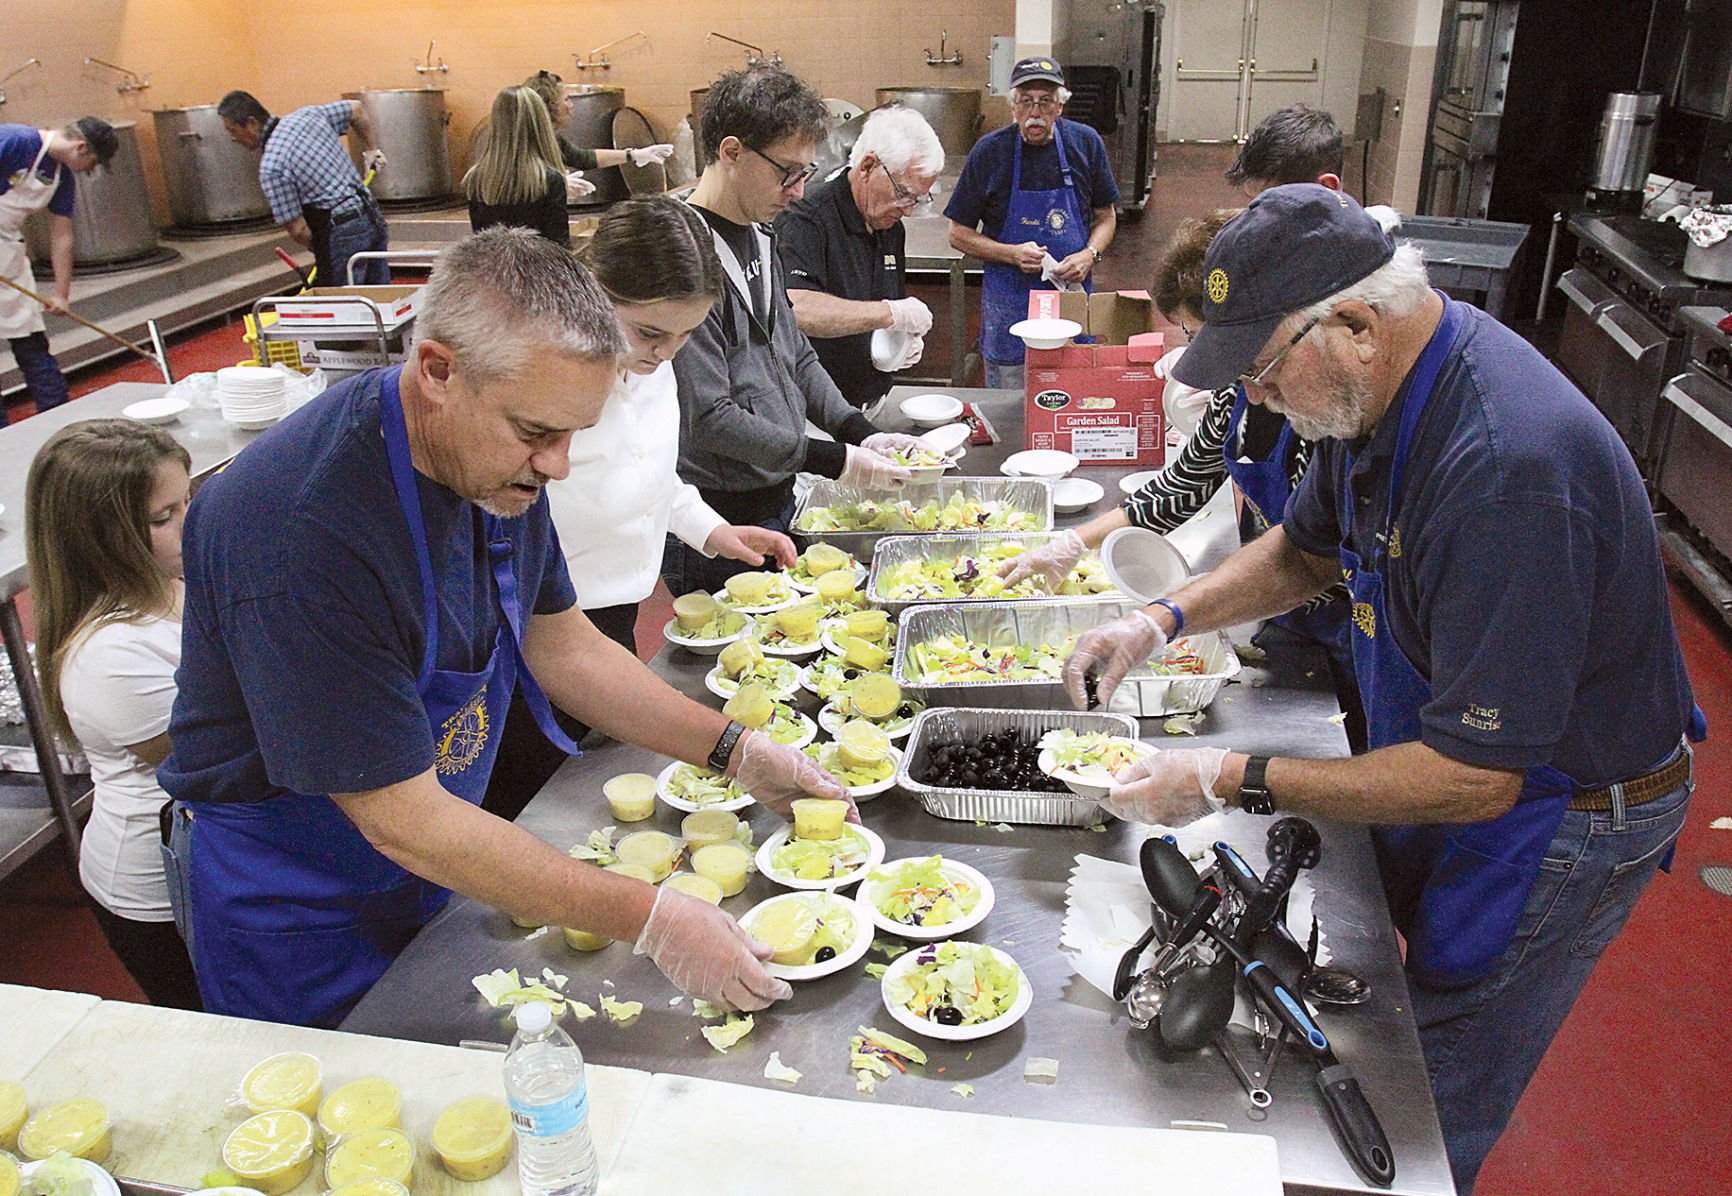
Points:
(1400, 57)
(310, 51)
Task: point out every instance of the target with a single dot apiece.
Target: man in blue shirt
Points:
(313, 188)
(366, 586)
(1526, 698)
(36, 169)
(1038, 189)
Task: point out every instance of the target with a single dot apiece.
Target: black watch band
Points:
(725, 745)
(1254, 795)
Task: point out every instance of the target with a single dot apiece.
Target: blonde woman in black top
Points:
(518, 179)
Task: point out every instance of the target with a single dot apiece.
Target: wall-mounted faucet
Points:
(28, 63)
(133, 81)
(754, 54)
(428, 67)
(954, 58)
(595, 60)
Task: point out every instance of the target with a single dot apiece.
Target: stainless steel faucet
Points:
(754, 54)
(954, 58)
(132, 82)
(596, 60)
(28, 63)
(428, 68)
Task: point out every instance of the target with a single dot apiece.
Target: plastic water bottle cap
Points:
(534, 1017)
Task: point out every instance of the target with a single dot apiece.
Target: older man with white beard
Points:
(1038, 188)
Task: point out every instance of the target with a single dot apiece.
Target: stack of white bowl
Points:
(252, 396)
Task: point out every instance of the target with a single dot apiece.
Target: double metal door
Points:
(1235, 63)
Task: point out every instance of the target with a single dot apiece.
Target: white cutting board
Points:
(169, 1079)
(694, 1135)
(35, 1020)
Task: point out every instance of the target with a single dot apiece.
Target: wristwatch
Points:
(629, 160)
(725, 746)
(1097, 254)
(1254, 795)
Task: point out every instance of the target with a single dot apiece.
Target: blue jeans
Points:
(42, 376)
(1483, 1042)
(1003, 377)
(365, 235)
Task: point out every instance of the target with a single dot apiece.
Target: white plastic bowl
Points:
(155, 411)
(1071, 495)
(931, 410)
(1039, 463)
(888, 346)
(1045, 334)
(948, 439)
(1143, 564)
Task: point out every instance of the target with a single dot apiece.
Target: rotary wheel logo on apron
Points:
(1365, 618)
(463, 736)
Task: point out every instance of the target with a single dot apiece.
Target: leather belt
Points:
(1640, 790)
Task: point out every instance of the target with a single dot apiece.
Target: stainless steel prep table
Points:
(928, 248)
(210, 439)
(1109, 1072)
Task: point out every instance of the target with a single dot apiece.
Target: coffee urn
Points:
(1624, 149)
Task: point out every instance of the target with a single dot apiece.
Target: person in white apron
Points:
(36, 168)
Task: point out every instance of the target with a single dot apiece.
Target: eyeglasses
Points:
(1258, 378)
(792, 176)
(1036, 103)
(904, 197)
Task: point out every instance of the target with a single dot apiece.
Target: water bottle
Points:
(549, 1098)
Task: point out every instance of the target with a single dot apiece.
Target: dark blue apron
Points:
(1456, 891)
(1267, 487)
(1053, 218)
(294, 913)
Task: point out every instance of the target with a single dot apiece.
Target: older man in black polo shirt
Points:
(843, 249)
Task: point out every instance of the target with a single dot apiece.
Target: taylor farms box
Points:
(1100, 401)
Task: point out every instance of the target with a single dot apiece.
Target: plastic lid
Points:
(533, 1017)
(1143, 564)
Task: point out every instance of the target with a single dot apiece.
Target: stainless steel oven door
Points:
(1696, 455)
(1582, 347)
(1641, 358)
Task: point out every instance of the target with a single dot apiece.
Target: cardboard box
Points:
(321, 310)
(1100, 401)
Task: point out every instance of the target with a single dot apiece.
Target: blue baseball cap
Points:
(1291, 247)
(1032, 70)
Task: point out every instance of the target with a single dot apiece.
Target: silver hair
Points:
(1395, 289)
(1063, 92)
(498, 298)
(901, 139)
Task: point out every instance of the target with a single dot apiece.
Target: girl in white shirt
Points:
(657, 261)
(104, 505)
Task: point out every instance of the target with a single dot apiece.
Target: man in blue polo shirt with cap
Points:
(1528, 705)
(1035, 203)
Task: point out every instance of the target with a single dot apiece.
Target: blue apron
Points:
(294, 913)
(1267, 487)
(1053, 218)
(1456, 891)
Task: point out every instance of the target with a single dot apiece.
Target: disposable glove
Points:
(576, 187)
(871, 471)
(373, 159)
(909, 315)
(910, 356)
(1167, 788)
(1051, 563)
(705, 954)
(884, 443)
(777, 774)
(1110, 651)
(649, 155)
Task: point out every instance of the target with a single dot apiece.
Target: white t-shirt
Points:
(117, 683)
(624, 494)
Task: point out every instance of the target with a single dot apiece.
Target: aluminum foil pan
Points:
(893, 551)
(1002, 805)
(1028, 494)
(1051, 622)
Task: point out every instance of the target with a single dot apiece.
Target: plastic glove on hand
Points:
(1107, 653)
(886, 442)
(911, 355)
(648, 155)
(706, 954)
(777, 774)
(909, 315)
(870, 470)
(1167, 788)
(576, 187)
(1051, 563)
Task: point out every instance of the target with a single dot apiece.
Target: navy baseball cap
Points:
(1291, 247)
(1032, 70)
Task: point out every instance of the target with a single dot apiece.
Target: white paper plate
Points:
(155, 411)
(256, 425)
(1078, 783)
(878, 881)
(103, 1183)
(727, 603)
(925, 475)
(808, 735)
(811, 587)
(932, 410)
(781, 693)
(767, 852)
(671, 633)
(1038, 463)
(1045, 334)
(1133, 482)
(1070, 495)
(862, 793)
(1142, 563)
(857, 948)
(688, 807)
(835, 627)
(831, 719)
(789, 651)
(888, 347)
(932, 1029)
(950, 439)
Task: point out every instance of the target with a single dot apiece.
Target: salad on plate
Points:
(805, 930)
(955, 984)
(923, 892)
(700, 787)
(820, 859)
(1094, 757)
